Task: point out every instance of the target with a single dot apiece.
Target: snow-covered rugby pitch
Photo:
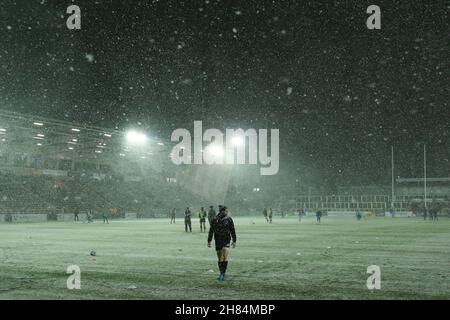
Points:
(152, 259)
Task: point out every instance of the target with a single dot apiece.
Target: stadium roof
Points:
(70, 139)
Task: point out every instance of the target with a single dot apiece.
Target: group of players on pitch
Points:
(221, 229)
(90, 215)
(202, 215)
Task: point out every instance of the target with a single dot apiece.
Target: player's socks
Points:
(220, 264)
(225, 265)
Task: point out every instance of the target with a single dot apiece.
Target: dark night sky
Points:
(340, 94)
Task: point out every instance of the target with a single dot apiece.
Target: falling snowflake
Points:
(89, 57)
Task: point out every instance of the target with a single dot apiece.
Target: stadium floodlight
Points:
(2, 130)
(39, 144)
(237, 141)
(38, 138)
(39, 124)
(135, 137)
(75, 130)
(160, 143)
(215, 150)
(107, 135)
(40, 135)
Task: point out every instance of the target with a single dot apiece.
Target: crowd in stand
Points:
(53, 195)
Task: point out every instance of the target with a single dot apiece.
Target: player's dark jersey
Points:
(222, 228)
(187, 214)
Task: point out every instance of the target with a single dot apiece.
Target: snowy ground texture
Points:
(151, 259)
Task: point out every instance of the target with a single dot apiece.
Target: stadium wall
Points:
(71, 216)
(24, 217)
(38, 217)
(41, 217)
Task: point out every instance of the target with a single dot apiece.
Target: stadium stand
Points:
(47, 195)
(51, 168)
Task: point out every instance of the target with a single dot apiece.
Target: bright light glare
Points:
(215, 150)
(136, 137)
(237, 141)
